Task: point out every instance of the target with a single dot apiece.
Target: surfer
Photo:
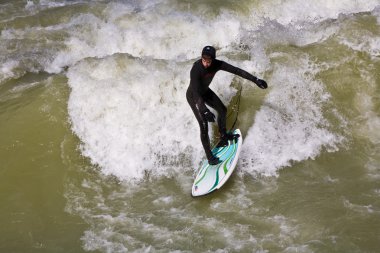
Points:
(199, 95)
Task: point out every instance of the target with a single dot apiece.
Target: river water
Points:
(99, 148)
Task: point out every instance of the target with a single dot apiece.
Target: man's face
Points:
(206, 61)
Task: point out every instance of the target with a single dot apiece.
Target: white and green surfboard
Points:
(212, 177)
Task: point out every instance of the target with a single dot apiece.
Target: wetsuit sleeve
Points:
(237, 71)
(195, 83)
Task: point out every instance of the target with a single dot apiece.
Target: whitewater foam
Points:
(136, 28)
(7, 69)
(290, 125)
(132, 115)
(298, 12)
(140, 34)
(112, 88)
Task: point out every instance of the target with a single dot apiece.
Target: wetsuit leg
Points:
(203, 125)
(214, 101)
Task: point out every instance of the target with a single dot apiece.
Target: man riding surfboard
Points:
(199, 95)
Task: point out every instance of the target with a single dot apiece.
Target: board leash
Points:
(236, 108)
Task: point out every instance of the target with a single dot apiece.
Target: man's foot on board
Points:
(227, 137)
(214, 160)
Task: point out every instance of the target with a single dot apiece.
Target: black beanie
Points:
(210, 51)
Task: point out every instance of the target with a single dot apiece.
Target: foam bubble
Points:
(29, 4)
(7, 69)
(369, 119)
(362, 209)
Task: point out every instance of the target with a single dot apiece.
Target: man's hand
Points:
(261, 83)
(209, 116)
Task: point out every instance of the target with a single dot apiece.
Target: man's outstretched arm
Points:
(244, 74)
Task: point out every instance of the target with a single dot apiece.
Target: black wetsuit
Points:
(199, 94)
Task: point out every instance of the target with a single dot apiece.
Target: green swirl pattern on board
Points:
(210, 176)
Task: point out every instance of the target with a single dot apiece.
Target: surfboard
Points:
(211, 177)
